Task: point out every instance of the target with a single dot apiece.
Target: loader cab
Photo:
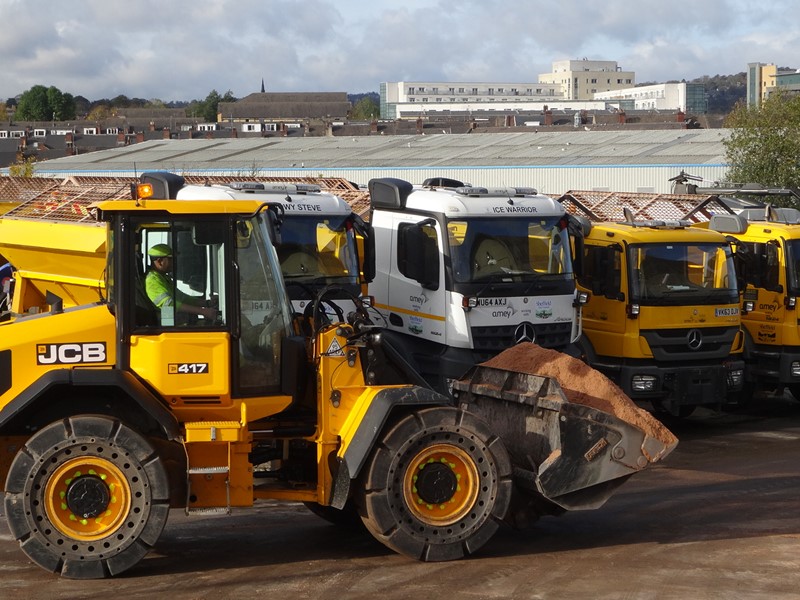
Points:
(324, 244)
(222, 262)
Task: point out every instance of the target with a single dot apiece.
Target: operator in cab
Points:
(161, 289)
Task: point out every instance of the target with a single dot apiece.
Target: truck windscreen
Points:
(318, 249)
(513, 249)
(682, 273)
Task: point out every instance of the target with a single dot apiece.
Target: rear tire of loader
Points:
(437, 485)
(87, 497)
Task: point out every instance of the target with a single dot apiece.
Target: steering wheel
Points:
(316, 314)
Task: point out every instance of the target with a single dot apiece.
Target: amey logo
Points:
(768, 307)
(70, 354)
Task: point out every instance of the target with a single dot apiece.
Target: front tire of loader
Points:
(437, 485)
(87, 497)
(345, 517)
(794, 390)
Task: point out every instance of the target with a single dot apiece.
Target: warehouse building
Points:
(552, 162)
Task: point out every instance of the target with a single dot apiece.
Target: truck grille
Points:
(673, 344)
(490, 341)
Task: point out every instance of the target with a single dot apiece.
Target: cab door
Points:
(604, 318)
(180, 334)
(416, 291)
(220, 336)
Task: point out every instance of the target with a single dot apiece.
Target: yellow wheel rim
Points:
(441, 484)
(108, 484)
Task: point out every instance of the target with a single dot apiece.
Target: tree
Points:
(33, 105)
(22, 168)
(99, 113)
(365, 109)
(209, 107)
(44, 104)
(764, 144)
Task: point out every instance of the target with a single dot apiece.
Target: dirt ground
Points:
(718, 519)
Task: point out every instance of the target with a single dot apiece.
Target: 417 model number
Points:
(187, 368)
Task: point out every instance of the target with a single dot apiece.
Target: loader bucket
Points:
(569, 454)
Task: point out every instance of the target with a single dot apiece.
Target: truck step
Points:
(211, 510)
(207, 470)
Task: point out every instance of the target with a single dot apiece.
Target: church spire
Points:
(262, 85)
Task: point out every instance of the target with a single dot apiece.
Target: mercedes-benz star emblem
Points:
(694, 339)
(524, 333)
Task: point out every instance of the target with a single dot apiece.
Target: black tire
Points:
(346, 517)
(436, 486)
(794, 390)
(682, 412)
(87, 497)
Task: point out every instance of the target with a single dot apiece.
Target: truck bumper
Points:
(673, 388)
(778, 365)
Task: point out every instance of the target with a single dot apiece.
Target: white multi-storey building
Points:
(581, 79)
(570, 86)
(686, 97)
(399, 97)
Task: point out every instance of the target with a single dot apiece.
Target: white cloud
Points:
(180, 50)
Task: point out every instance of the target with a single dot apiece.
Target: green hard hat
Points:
(160, 251)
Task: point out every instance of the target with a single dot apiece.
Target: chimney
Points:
(152, 126)
(621, 117)
(548, 117)
(419, 124)
(140, 137)
(120, 138)
(69, 138)
(373, 127)
(680, 116)
(284, 130)
(328, 129)
(165, 134)
(234, 132)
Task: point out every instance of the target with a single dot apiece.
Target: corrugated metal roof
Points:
(551, 161)
(508, 149)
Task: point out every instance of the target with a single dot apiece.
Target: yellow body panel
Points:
(181, 364)
(77, 338)
(231, 487)
(68, 259)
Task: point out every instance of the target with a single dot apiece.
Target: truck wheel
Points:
(87, 497)
(437, 485)
(794, 389)
(345, 517)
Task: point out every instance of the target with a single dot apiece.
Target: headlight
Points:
(643, 383)
(735, 378)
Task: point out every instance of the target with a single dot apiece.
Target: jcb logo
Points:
(57, 354)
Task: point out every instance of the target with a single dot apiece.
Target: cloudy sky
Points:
(181, 50)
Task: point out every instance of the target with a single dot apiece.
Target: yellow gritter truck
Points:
(662, 319)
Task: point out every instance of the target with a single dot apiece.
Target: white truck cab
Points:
(464, 272)
(319, 233)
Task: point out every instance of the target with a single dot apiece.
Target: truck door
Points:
(416, 291)
(218, 335)
(604, 315)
